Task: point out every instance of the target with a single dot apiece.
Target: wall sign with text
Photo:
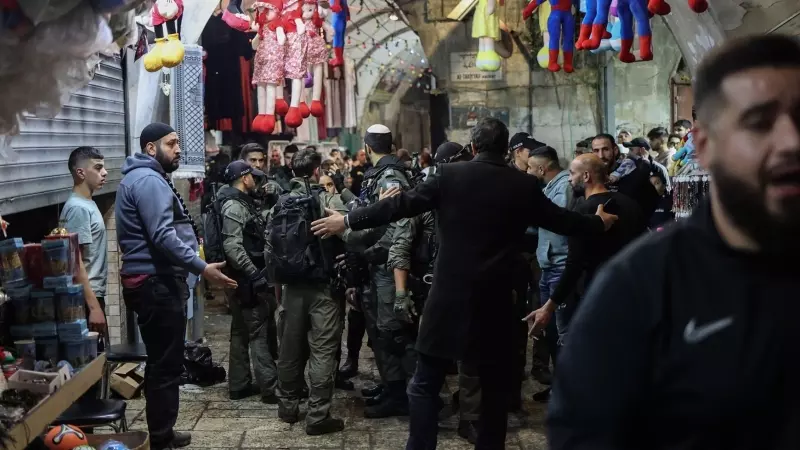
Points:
(462, 68)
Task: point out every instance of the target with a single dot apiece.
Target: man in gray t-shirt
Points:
(81, 215)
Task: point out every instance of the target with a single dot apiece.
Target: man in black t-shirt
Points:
(588, 176)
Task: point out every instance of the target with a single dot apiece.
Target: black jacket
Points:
(469, 309)
(682, 343)
(637, 186)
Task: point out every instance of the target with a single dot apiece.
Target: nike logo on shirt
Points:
(694, 334)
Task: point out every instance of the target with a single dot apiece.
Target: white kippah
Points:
(379, 129)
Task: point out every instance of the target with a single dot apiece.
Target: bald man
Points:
(588, 176)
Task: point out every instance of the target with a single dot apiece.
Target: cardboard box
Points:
(127, 380)
(43, 414)
(24, 380)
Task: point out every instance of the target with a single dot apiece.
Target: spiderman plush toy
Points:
(628, 10)
(340, 17)
(560, 26)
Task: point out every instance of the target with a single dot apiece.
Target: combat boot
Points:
(378, 399)
(468, 430)
(327, 426)
(373, 391)
(349, 368)
(394, 402)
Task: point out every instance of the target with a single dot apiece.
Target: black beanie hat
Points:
(153, 133)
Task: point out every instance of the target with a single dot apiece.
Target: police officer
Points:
(395, 331)
(255, 156)
(252, 303)
(311, 317)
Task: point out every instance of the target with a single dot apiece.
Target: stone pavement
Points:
(218, 423)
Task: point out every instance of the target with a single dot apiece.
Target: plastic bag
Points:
(124, 31)
(78, 34)
(39, 11)
(199, 367)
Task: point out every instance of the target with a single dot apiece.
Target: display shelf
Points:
(42, 415)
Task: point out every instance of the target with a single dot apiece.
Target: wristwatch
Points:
(347, 221)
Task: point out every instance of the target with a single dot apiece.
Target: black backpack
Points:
(295, 254)
(212, 229)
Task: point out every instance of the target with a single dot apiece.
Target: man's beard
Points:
(579, 189)
(747, 208)
(168, 164)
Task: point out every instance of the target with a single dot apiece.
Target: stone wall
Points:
(558, 108)
(115, 308)
(642, 89)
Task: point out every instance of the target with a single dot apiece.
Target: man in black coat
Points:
(469, 314)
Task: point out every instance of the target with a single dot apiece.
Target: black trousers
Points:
(424, 402)
(356, 328)
(160, 304)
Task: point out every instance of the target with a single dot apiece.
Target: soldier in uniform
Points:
(391, 311)
(255, 156)
(311, 319)
(252, 303)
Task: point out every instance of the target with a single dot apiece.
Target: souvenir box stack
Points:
(49, 320)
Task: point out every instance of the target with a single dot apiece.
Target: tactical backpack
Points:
(212, 229)
(294, 253)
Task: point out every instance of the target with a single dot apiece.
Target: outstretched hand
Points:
(331, 225)
(608, 219)
(213, 273)
(391, 192)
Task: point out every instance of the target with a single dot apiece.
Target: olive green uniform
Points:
(394, 336)
(253, 331)
(310, 330)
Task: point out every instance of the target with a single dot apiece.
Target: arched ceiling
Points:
(379, 39)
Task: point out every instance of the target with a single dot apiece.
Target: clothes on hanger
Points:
(226, 104)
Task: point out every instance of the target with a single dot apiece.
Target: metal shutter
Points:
(33, 164)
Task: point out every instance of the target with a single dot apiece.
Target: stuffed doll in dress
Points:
(269, 59)
(486, 28)
(628, 11)
(316, 49)
(294, 62)
(168, 51)
(340, 17)
(560, 26)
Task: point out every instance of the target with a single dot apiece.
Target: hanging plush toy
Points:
(662, 8)
(612, 43)
(269, 59)
(294, 62)
(316, 51)
(235, 17)
(593, 26)
(340, 17)
(628, 10)
(168, 51)
(560, 26)
(486, 28)
(698, 6)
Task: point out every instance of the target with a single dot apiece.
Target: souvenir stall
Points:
(689, 187)
(62, 79)
(271, 71)
(49, 356)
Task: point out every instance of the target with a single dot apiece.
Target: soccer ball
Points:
(65, 437)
